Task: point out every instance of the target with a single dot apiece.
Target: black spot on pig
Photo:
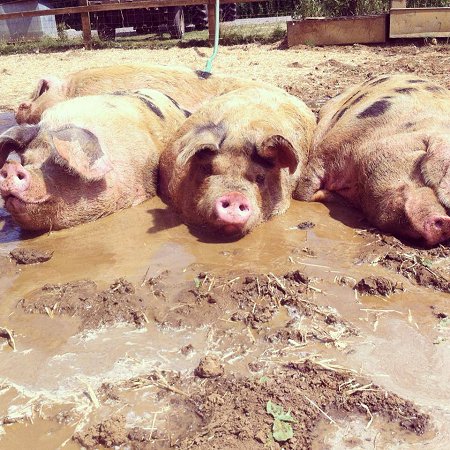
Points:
(339, 114)
(409, 125)
(435, 88)
(185, 111)
(150, 105)
(203, 75)
(357, 100)
(376, 109)
(405, 90)
(219, 130)
(417, 81)
(380, 80)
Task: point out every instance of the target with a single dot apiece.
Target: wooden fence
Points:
(86, 9)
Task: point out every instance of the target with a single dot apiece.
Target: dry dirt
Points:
(261, 330)
(313, 73)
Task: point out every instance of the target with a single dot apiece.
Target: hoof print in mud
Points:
(30, 256)
(209, 367)
(378, 286)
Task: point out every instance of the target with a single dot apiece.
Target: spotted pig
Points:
(185, 86)
(384, 146)
(88, 157)
(234, 163)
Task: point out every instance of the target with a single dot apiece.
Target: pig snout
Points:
(14, 179)
(436, 229)
(233, 211)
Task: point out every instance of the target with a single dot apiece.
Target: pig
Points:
(88, 157)
(187, 87)
(234, 163)
(384, 147)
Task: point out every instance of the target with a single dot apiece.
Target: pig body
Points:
(234, 163)
(187, 87)
(88, 157)
(384, 146)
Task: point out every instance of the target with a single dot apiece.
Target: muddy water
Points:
(54, 365)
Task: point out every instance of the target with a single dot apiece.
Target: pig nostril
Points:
(225, 204)
(20, 176)
(243, 207)
(439, 223)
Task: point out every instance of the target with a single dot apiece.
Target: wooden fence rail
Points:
(86, 9)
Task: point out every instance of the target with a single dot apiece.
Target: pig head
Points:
(48, 92)
(384, 146)
(57, 168)
(81, 162)
(233, 164)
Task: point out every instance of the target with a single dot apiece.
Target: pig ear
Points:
(435, 168)
(16, 139)
(44, 84)
(279, 151)
(79, 150)
(195, 149)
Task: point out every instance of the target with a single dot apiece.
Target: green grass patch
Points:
(230, 35)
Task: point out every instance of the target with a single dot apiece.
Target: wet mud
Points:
(309, 333)
(154, 339)
(424, 267)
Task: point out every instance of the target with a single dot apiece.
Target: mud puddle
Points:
(276, 309)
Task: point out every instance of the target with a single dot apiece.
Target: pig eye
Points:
(260, 179)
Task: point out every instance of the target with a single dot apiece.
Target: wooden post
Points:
(398, 3)
(86, 26)
(211, 20)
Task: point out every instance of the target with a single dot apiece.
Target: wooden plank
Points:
(86, 27)
(211, 21)
(398, 3)
(110, 7)
(336, 31)
(419, 23)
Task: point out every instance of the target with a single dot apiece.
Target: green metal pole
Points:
(208, 67)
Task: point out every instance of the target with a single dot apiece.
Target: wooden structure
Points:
(338, 30)
(402, 22)
(418, 22)
(87, 8)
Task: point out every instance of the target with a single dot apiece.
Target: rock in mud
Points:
(109, 433)
(209, 367)
(30, 256)
(377, 286)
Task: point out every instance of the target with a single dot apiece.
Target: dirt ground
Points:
(312, 73)
(313, 332)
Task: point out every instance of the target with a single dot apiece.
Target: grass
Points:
(230, 35)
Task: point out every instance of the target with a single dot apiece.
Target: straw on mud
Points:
(8, 335)
(320, 409)
(91, 392)
(369, 413)
(165, 384)
(361, 389)
(381, 310)
(278, 281)
(250, 334)
(375, 324)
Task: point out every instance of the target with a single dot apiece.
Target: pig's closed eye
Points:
(260, 179)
